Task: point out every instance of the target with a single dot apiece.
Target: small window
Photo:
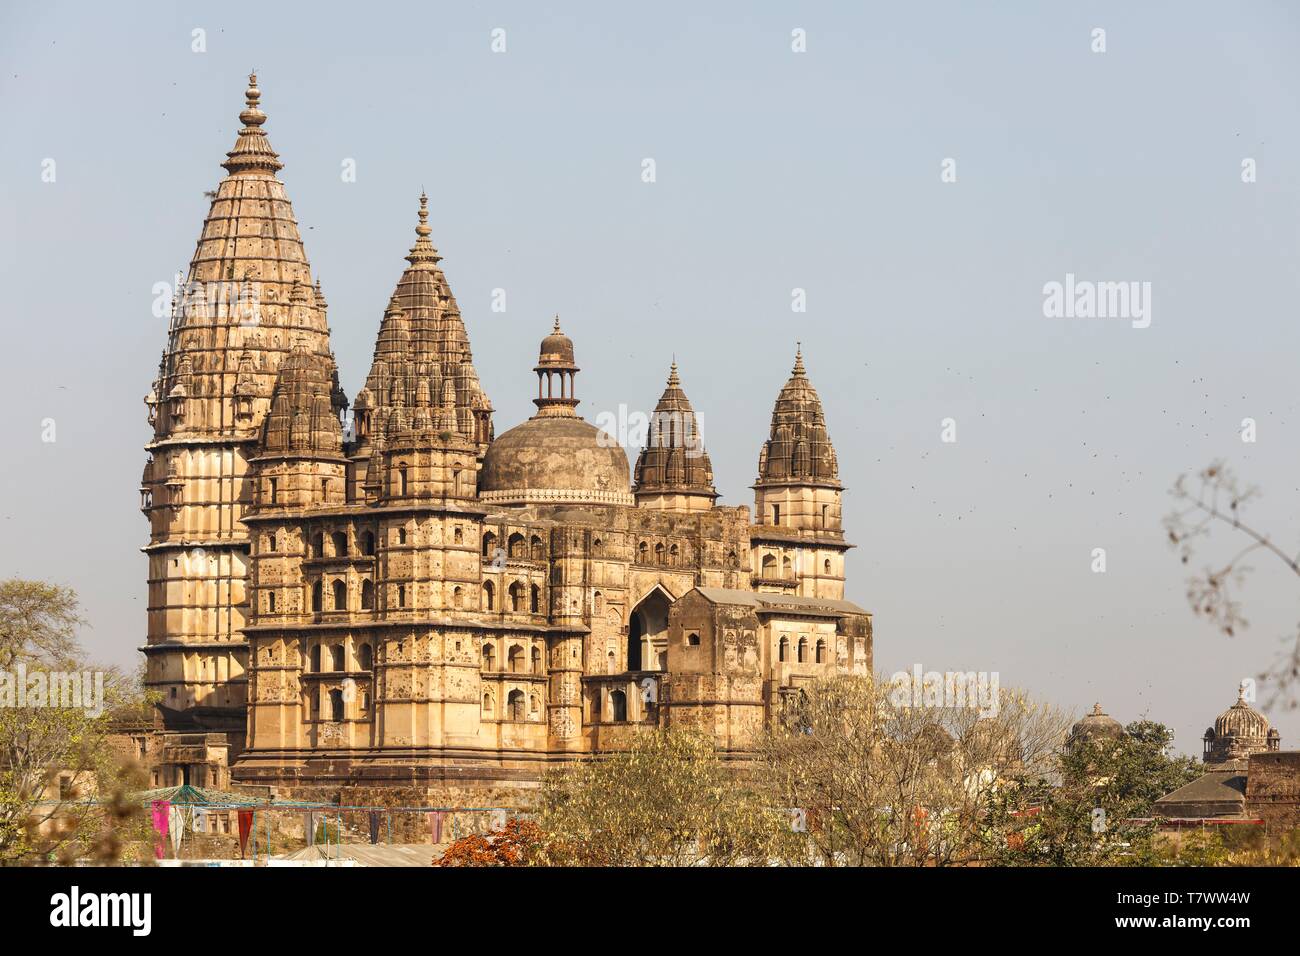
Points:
(489, 596)
(368, 543)
(489, 544)
(457, 598)
(270, 602)
(340, 541)
(516, 704)
(821, 652)
(693, 639)
(271, 543)
(537, 661)
(336, 705)
(316, 596)
(275, 490)
(364, 657)
(336, 658)
(315, 659)
(489, 657)
(535, 599)
(458, 536)
(803, 650)
(401, 536)
(318, 545)
(367, 595)
(783, 651)
(401, 481)
(340, 596)
(401, 595)
(776, 514)
(618, 703)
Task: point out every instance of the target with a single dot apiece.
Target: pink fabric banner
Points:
(161, 811)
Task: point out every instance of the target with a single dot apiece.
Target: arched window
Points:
(457, 597)
(336, 658)
(487, 705)
(783, 651)
(340, 540)
(618, 703)
(489, 656)
(597, 548)
(769, 566)
(643, 550)
(516, 659)
(537, 661)
(787, 569)
(368, 543)
(401, 536)
(489, 544)
(401, 480)
(270, 602)
(538, 551)
(364, 657)
(363, 703)
(401, 595)
(672, 555)
(516, 704)
(516, 546)
(803, 650)
(821, 652)
(517, 596)
(318, 545)
(316, 596)
(489, 593)
(271, 542)
(315, 658)
(535, 599)
(659, 553)
(336, 705)
(532, 704)
(367, 595)
(275, 491)
(458, 535)
(826, 566)
(340, 596)
(598, 602)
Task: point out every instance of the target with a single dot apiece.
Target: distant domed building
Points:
(408, 599)
(1097, 726)
(1238, 732)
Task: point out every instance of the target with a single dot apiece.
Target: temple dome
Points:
(555, 459)
(555, 456)
(1097, 725)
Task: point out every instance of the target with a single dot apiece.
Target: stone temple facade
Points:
(406, 598)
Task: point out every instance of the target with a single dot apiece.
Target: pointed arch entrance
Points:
(647, 632)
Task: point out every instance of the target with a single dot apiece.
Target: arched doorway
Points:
(647, 633)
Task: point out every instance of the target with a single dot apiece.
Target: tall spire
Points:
(252, 153)
(673, 471)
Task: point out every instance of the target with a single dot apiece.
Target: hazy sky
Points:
(776, 170)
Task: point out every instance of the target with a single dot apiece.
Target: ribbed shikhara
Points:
(422, 375)
(247, 299)
(674, 459)
(799, 448)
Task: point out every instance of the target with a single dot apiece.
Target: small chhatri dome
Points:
(673, 460)
(555, 457)
(1097, 725)
(557, 350)
(799, 451)
(1238, 732)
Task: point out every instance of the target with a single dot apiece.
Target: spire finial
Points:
(423, 250)
(556, 329)
(252, 114)
(673, 380)
(798, 371)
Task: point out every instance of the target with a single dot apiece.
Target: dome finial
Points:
(556, 329)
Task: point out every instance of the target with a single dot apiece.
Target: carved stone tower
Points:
(798, 541)
(247, 299)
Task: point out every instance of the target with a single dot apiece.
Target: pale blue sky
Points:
(776, 170)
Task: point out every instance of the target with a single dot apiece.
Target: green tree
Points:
(1085, 813)
(667, 800)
